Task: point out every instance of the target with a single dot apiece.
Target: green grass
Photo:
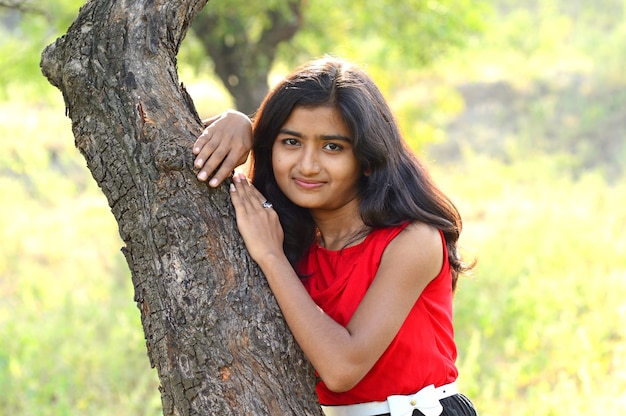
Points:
(541, 324)
(72, 342)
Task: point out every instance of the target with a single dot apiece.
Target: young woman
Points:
(357, 244)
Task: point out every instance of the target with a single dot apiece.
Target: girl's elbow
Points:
(341, 381)
(339, 386)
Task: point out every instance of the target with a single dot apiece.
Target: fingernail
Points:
(202, 176)
(213, 182)
(232, 187)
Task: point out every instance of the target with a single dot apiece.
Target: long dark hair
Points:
(397, 188)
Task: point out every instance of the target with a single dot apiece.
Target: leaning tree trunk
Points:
(213, 330)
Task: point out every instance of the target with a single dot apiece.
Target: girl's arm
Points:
(223, 145)
(341, 355)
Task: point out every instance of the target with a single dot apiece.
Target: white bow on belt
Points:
(426, 401)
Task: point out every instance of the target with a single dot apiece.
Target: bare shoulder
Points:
(425, 234)
(418, 248)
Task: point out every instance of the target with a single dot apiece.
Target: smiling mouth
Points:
(307, 184)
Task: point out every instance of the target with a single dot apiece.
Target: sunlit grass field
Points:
(541, 323)
(70, 335)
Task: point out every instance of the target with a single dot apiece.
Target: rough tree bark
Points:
(213, 330)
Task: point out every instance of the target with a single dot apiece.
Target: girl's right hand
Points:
(224, 143)
(257, 221)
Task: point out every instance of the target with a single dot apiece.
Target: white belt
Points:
(426, 401)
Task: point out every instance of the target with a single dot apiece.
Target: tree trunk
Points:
(213, 330)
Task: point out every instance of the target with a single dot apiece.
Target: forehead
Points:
(322, 120)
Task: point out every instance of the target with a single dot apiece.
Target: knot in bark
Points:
(170, 156)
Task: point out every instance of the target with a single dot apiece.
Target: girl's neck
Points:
(340, 228)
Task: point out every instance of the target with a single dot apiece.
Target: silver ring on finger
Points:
(267, 204)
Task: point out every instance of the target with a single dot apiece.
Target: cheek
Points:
(275, 160)
(276, 164)
(280, 171)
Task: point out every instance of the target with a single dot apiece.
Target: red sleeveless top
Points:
(422, 353)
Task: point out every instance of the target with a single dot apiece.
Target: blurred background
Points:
(517, 107)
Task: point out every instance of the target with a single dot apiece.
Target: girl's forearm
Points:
(325, 342)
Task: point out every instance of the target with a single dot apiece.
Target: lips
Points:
(308, 183)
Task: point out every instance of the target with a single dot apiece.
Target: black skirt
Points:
(457, 405)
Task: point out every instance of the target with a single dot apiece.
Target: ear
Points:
(367, 172)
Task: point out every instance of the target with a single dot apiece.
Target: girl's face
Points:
(313, 159)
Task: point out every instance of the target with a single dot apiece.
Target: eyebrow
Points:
(339, 137)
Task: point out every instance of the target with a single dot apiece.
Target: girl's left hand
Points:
(223, 145)
(257, 221)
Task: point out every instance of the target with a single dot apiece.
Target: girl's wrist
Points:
(270, 260)
(274, 264)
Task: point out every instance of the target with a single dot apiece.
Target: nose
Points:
(309, 163)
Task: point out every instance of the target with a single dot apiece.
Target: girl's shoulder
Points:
(417, 245)
(413, 232)
(422, 231)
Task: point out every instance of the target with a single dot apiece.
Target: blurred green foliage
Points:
(24, 35)
(541, 323)
(419, 31)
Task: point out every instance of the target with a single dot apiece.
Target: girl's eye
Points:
(291, 142)
(333, 147)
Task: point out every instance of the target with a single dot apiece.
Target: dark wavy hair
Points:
(397, 188)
